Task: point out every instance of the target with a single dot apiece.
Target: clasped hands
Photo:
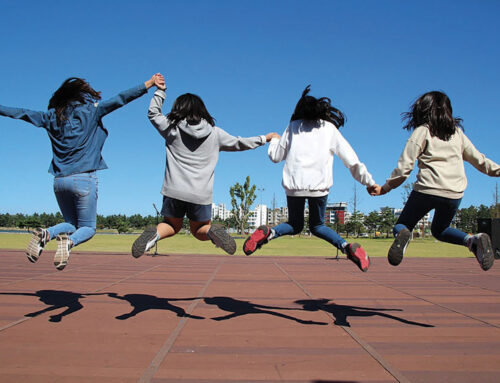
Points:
(375, 190)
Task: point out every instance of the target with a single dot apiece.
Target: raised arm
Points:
(278, 147)
(228, 143)
(33, 117)
(478, 159)
(155, 115)
(349, 158)
(406, 161)
(124, 97)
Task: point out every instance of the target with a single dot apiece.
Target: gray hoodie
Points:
(192, 153)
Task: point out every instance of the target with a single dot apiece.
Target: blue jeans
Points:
(419, 204)
(77, 198)
(295, 224)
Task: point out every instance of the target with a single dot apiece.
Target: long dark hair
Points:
(190, 107)
(72, 89)
(434, 110)
(312, 108)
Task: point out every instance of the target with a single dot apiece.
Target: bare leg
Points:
(169, 227)
(200, 229)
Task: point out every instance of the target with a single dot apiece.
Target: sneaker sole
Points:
(62, 253)
(222, 239)
(357, 261)
(139, 246)
(33, 251)
(258, 245)
(398, 247)
(484, 245)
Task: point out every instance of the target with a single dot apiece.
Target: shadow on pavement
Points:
(56, 299)
(341, 312)
(144, 302)
(238, 308)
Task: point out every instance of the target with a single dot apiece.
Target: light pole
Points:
(260, 221)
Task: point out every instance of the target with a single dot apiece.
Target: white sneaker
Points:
(37, 243)
(62, 254)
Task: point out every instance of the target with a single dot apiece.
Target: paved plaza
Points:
(209, 319)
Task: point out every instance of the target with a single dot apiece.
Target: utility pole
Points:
(494, 211)
(274, 210)
(261, 210)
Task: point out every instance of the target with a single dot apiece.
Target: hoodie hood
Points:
(199, 131)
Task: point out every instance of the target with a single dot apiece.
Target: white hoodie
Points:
(308, 148)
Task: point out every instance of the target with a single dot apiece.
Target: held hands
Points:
(270, 136)
(160, 81)
(375, 190)
(156, 80)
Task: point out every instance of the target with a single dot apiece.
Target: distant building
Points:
(277, 216)
(258, 216)
(220, 212)
(336, 213)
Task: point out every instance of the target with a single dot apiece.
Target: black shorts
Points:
(175, 208)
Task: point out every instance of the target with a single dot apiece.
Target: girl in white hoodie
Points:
(307, 146)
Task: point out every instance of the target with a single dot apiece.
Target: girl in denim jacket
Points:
(77, 135)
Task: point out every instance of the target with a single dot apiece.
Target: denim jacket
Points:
(78, 141)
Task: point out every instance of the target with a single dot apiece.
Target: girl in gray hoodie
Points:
(193, 143)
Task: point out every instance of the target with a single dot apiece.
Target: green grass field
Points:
(285, 246)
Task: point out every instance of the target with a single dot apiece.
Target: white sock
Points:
(271, 236)
(344, 245)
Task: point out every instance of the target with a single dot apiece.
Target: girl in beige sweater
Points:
(440, 147)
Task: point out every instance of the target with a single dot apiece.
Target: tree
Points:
(483, 212)
(372, 221)
(467, 219)
(407, 189)
(32, 222)
(242, 198)
(231, 222)
(387, 220)
(122, 227)
(355, 220)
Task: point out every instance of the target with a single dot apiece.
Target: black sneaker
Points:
(220, 238)
(62, 254)
(480, 245)
(37, 243)
(398, 247)
(145, 241)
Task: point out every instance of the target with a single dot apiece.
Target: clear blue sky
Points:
(249, 61)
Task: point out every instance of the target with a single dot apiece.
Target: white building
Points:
(220, 212)
(258, 217)
(277, 216)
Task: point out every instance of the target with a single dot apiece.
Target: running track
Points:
(210, 319)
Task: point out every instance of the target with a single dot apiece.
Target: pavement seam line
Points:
(47, 274)
(457, 282)
(24, 319)
(394, 372)
(160, 356)
(434, 303)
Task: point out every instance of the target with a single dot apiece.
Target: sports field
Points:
(285, 246)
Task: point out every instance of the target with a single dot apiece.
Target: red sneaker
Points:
(257, 239)
(358, 255)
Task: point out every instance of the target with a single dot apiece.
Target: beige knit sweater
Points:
(441, 164)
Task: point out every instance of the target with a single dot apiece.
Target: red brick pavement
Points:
(208, 319)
